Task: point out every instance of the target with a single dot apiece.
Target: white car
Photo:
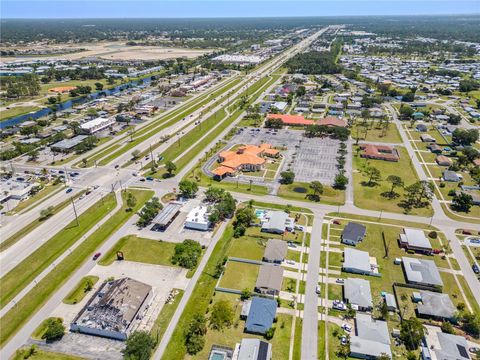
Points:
(346, 327)
(317, 289)
(344, 340)
(340, 281)
(290, 262)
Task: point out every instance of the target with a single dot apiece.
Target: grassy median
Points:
(35, 298)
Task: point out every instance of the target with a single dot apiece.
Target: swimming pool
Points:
(218, 355)
(260, 213)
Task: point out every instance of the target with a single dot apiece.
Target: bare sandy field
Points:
(117, 51)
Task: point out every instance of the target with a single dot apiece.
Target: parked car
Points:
(340, 281)
(96, 256)
(347, 327)
(149, 178)
(291, 244)
(344, 340)
(117, 166)
(474, 349)
(317, 289)
(290, 262)
(336, 222)
(69, 190)
(142, 179)
(476, 269)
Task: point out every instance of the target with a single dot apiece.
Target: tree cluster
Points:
(194, 334)
(148, 212)
(243, 218)
(187, 254)
(223, 204)
(17, 86)
(336, 132)
(139, 346)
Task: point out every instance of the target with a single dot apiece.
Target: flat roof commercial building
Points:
(97, 124)
(68, 145)
(421, 272)
(112, 310)
(197, 219)
(165, 217)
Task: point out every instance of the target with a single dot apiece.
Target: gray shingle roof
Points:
(371, 336)
(416, 238)
(422, 271)
(275, 250)
(354, 232)
(356, 259)
(436, 304)
(357, 291)
(452, 347)
(270, 277)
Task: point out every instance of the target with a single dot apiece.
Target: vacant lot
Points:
(239, 276)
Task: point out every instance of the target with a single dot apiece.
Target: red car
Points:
(96, 256)
(336, 222)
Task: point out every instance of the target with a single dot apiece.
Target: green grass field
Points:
(330, 195)
(239, 276)
(373, 132)
(43, 355)
(369, 197)
(161, 323)
(141, 250)
(20, 276)
(42, 328)
(247, 247)
(17, 111)
(44, 194)
(79, 292)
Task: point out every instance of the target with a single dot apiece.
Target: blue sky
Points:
(228, 8)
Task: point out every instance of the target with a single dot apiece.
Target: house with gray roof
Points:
(269, 279)
(277, 222)
(450, 176)
(358, 262)
(358, 294)
(415, 239)
(371, 338)
(440, 346)
(275, 251)
(421, 272)
(353, 233)
(254, 349)
(436, 305)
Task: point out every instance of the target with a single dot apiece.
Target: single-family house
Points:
(440, 345)
(357, 293)
(427, 138)
(275, 251)
(415, 239)
(442, 160)
(353, 233)
(421, 272)
(371, 338)
(450, 176)
(421, 128)
(269, 279)
(434, 305)
(261, 315)
(358, 262)
(253, 349)
(277, 222)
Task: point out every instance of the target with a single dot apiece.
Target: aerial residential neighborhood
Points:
(239, 180)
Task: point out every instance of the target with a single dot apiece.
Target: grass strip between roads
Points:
(79, 292)
(200, 297)
(34, 224)
(169, 120)
(27, 270)
(31, 302)
(44, 194)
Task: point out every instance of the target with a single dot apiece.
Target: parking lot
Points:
(309, 158)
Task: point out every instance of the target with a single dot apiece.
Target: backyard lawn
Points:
(375, 133)
(239, 276)
(248, 247)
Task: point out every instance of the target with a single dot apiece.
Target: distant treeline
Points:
(315, 62)
(456, 27)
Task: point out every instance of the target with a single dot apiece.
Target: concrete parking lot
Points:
(166, 278)
(310, 158)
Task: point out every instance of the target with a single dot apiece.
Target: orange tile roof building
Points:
(245, 158)
(379, 152)
(332, 121)
(291, 120)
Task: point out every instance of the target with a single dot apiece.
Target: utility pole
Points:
(74, 210)
(151, 154)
